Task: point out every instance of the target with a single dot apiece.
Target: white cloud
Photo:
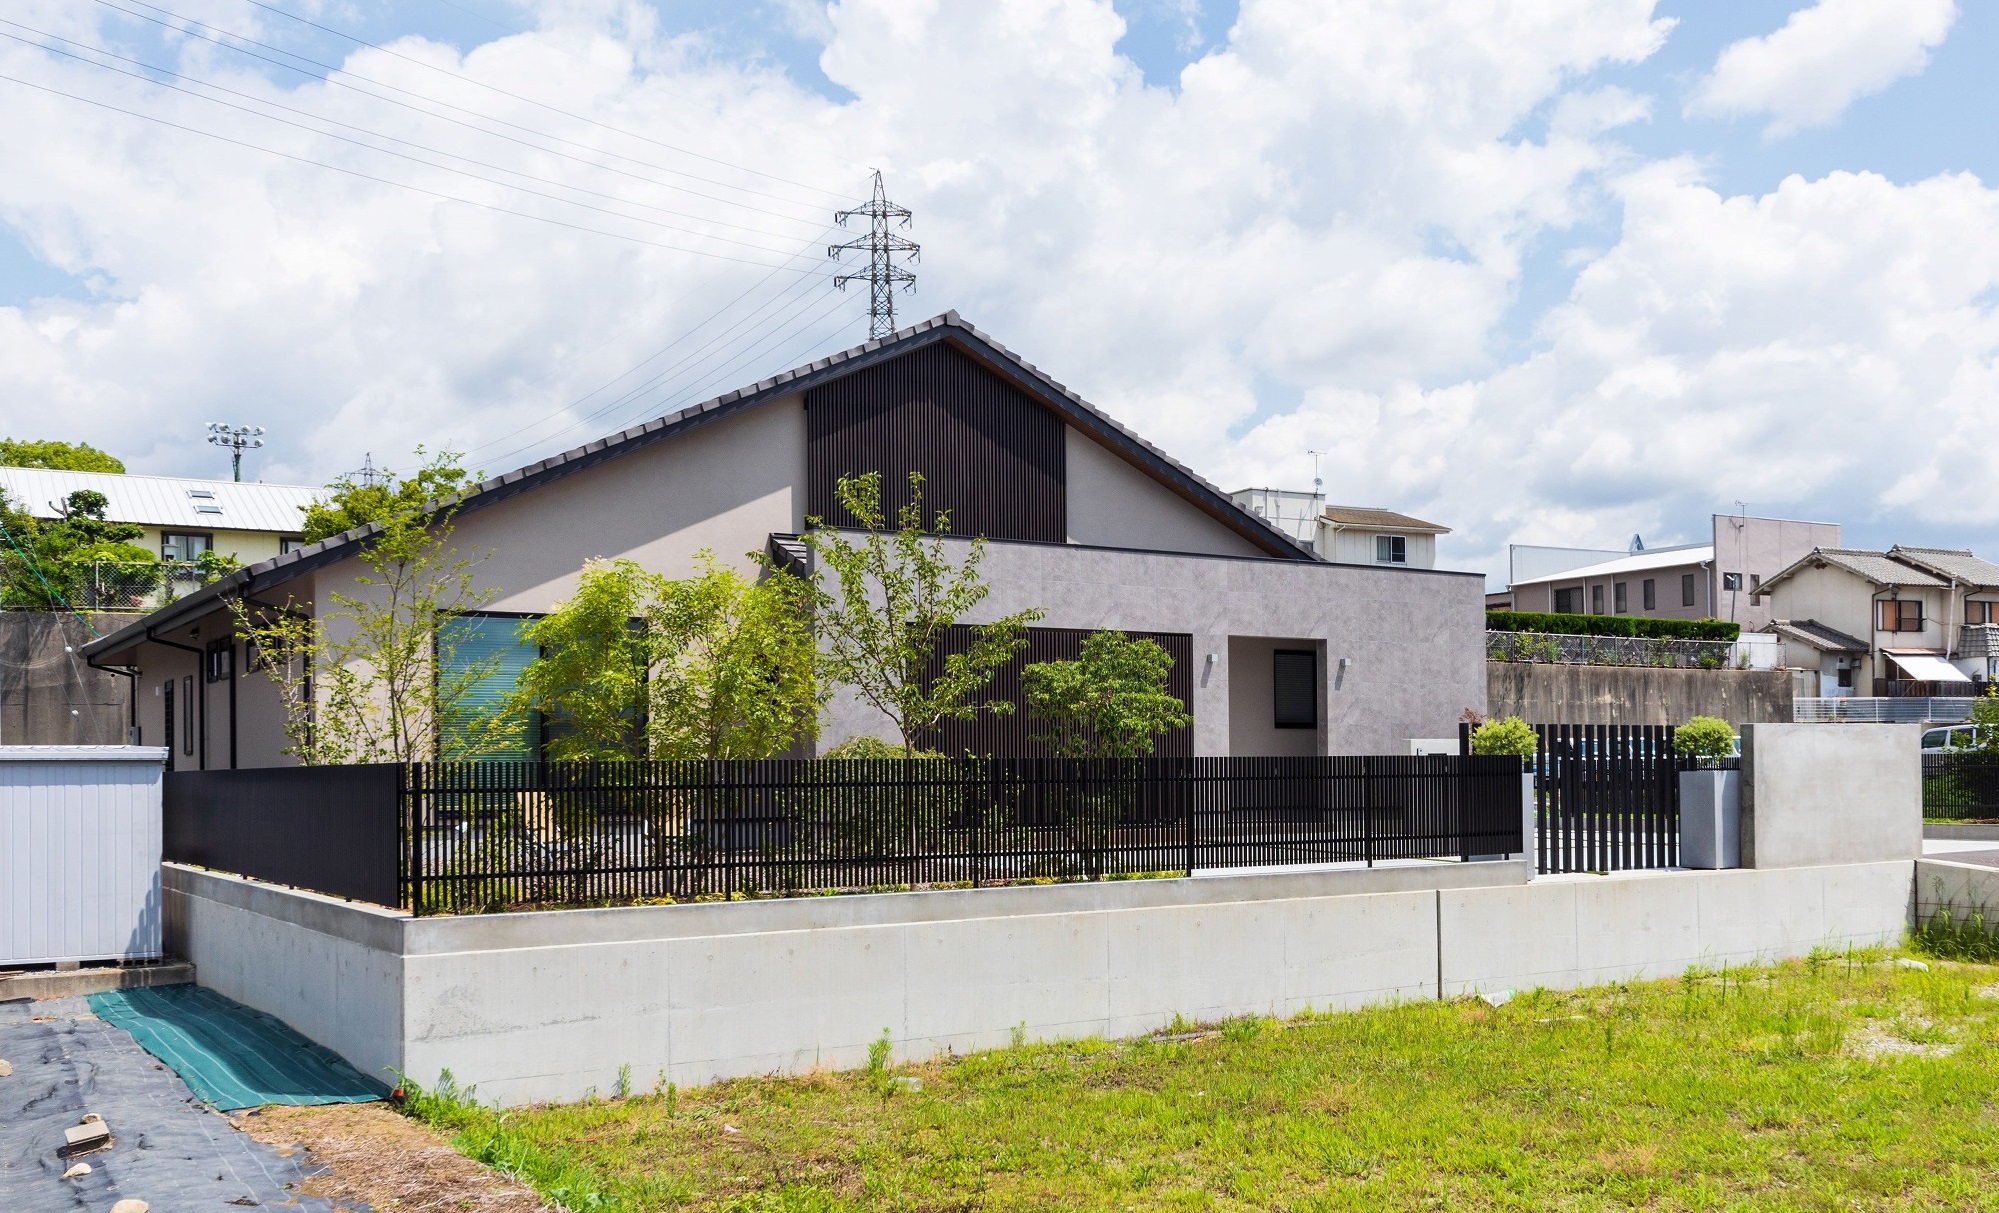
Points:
(1338, 202)
(1824, 59)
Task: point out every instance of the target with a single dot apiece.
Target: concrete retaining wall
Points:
(48, 696)
(1605, 694)
(1964, 888)
(547, 1006)
(1812, 794)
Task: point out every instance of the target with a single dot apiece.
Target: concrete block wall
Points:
(548, 1006)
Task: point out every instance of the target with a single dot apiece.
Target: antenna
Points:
(1318, 485)
(881, 246)
(237, 439)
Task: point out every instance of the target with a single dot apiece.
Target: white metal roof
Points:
(166, 501)
(1637, 562)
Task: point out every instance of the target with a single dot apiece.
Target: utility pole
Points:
(881, 246)
(237, 439)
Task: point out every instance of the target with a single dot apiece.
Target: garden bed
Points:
(1848, 1080)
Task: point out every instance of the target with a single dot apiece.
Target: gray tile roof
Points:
(1955, 563)
(1877, 567)
(1074, 408)
(1367, 516)
(1819, 636)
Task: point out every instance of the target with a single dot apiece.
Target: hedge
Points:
(1610, 625)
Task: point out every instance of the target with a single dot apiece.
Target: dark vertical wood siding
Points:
(988, 452)
(1010, 736)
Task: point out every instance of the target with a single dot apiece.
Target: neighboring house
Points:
(1277, 651)
(1907, 621)
(183, 518)
(1714, 580)
(1346, 534)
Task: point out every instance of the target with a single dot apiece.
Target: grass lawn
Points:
(1843, 1082)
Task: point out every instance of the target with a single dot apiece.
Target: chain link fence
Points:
(99, 585)
(1551, 648)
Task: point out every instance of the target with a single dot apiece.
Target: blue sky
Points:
(1356, 226)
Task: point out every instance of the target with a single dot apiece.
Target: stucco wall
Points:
(1253, 731)
(1113, 504)
(1415, 639)
(1761, 547)
(1819, 794)
(1602, 694)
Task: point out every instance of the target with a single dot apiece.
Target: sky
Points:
(1550, 271)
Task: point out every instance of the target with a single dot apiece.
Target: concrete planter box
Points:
(1710, 819)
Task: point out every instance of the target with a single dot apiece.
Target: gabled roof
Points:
(1819, 636)
(1636, 562)
(948, 327)
(1878, 568)
(166, 501)
(1385, 520)
(1957, 564)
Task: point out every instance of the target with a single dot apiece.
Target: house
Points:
(1905, 621)
(183, 517)
(1714, 580)
(1346, 534)
(1277, 650)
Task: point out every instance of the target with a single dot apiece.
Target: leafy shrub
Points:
(1510, 735)
(1611, 625)
(1706, 738)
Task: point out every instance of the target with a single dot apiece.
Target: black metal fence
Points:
(486, 836)
(1607, 797)
(1962, 786)
(331, 829)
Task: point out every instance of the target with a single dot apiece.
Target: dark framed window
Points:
(184, 545)
(1391, 549)
(1902, 615)
(1621, 596)
(1731, 582)
(167, 718)
(1294, 686)
(187, 714)
(1569, 602)
(220, 664)
(498, 649)
(1981, 612)
(1596, 600)
(1686, 589)
(290, 543)
(1649, 590)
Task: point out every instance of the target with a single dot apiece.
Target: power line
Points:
(882, 247)
(489, 206)
(270, 8)
(150, 67)
(417, 159)
(222, 38)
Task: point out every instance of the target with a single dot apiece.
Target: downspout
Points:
(1707, 575)
(131, 675)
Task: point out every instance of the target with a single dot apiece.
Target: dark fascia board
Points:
(949, 326)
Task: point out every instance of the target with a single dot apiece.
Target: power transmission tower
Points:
(881, 246)
(368, 473)
(236, 438)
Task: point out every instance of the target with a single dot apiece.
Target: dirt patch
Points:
(375, 1157)
(1875, 1040)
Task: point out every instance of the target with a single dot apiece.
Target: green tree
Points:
(377, 675)
(1507, 735)
(719, 666)
(63, 456)
(77, 559)
(1985, 715)
(899, 593)
(1111, 702)
(350, 503)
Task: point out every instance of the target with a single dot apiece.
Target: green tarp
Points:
(229, 1055)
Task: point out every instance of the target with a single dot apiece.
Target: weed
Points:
(624, 1087)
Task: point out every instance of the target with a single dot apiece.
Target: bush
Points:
(1706, 738)
(1611, 625)
(1510, 735)
(868, 749)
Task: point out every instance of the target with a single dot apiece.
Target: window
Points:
(1650, 590)
(221, 663)
(1621, 596)
(1596, 600)
(1294, 683)
(1569, 601)
(290, 543)
(1981, 612)
(1686, 589)
(1902, 615)
(181, 545)
(187, 714)
(167, 719)
(1731, 582)
(498, 645)
(1846, 676)
(1391, 549)
(1755, 584)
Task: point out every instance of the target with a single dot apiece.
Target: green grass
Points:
(1846, 1081)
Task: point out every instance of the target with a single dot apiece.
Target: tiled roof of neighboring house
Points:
(1637, 562)
(949, 326)
(1955, 563)
(1819, 636)
(166, 501)
(1877, 567)
(1386, 520)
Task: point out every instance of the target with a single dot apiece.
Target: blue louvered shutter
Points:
(502, 643)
